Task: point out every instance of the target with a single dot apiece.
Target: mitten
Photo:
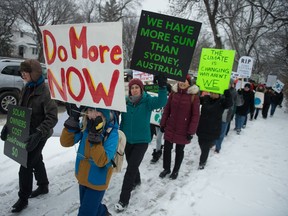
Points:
(162, 81)
(72, 123)
(73, 111)
(4, 133)
(33, 140)
(189, 137)
(162, 129)
(95, 130)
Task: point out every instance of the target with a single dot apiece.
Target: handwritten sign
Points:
(245, 66)
(18, 124)
(144, 77)
(215, 69)
(278, 86)
(259, 99)
(164, 45)
(85, 64)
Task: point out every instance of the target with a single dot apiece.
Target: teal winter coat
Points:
(135, 123)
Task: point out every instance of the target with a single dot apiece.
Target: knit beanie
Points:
(137, 82)
(188, 78)
(33, 67)
(247, 85)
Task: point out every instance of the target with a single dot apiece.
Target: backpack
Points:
(119, 156)
(117, 162)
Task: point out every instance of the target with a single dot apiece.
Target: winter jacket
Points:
(229, 112)
(210, 122)
(181, 115)
(93, 167)
(248, 105)
(44, 110)
(135, 123)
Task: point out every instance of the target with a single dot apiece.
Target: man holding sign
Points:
(36, 97)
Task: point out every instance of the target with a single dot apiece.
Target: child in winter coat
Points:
(93, 168)
(210, 123)
(179, 123)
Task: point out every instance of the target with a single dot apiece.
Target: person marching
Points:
(93, 168)
(179, 123)
(135, 123)
(35, 95)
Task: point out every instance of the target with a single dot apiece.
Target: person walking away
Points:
(179, 123)
(226, 117)
(97, 136)
(248, 106)
(135, 123)
(267, 101)
(259, 106)
(35, 95)
(275, 101)
(209, 128)
(157, 152)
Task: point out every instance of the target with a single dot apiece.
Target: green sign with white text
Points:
(215, 70)
(18, 124)
(164, 45)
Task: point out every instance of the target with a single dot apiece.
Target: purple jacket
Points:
(180, 117)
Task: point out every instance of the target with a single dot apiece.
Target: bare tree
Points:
(7, 20)
(211, 8)
(36, 13)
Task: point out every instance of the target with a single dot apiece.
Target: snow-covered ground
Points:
(248, 177)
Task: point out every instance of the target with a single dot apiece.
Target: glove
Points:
(95, 130)
(162, 81)
(73, 111)
(72, 123)
(162, 129)
(189, 137)
(4, 133)
(33, 140)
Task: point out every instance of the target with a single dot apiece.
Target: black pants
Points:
(265, 110)
(168, 146)
(205, 149)
(34, 164)
(134, 155)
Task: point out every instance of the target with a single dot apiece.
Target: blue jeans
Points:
(273, 108)
(90, 202)
(239, 121)
(219, 141)
(158, 139)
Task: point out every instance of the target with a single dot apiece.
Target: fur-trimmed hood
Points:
(194, 89)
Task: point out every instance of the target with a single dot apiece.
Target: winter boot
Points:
(156, 155)
(19, 205)
(42, 189)
(164, 173)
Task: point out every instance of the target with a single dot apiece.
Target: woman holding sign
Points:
(36, 96)
(135, 123)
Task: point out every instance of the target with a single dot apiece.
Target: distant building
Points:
(25, 45)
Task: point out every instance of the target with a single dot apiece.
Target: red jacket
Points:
(180, 117)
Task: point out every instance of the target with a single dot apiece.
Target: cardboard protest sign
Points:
(144, 77)
(18, 124)
(151, 88)
(215, 69)
(278, 86)
(85, 64)
(271, 80)
(259, 99)
(156, 116)
(164, 45)
(245, 66)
